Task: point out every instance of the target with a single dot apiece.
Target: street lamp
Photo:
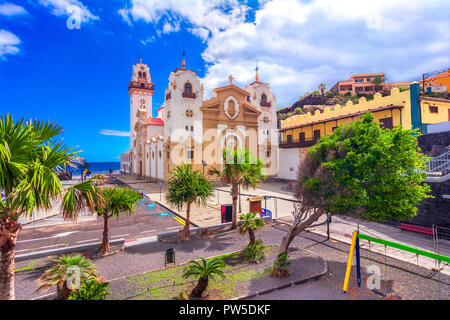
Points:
(204, 165)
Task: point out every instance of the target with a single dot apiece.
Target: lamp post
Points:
(204, 165)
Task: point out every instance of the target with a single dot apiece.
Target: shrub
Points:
(91, 290)
(254, 252)
(280, 267)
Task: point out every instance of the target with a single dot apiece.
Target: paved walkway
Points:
(341, 227)
(403, 280)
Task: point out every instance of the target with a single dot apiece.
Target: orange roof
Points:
(160, 108)
(155, 122)
(367, 75)
(126, 153)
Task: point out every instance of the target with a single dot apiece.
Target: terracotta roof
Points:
(126, 153)
(155, 122)
(367, 74)
(160, 108)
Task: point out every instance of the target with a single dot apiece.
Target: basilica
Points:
(190, 129)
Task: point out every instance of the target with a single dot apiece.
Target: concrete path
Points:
(341, 227)
(398, 279)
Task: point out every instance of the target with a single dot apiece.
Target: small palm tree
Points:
(250, 223)
(241, 168)
(322, 88)
(378, 81)
(187, 187)
(31, 157)
(115, 201)
(204, 270)
(67, 274)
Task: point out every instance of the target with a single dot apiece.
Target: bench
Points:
(418, 229)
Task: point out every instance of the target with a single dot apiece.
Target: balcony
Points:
(265, 104)
(140, 85)
(297, 143)
(189, 95)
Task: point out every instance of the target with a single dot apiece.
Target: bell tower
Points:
(141, 91)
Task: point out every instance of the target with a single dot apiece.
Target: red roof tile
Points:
(155, 122)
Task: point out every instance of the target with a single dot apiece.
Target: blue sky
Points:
(78, 78)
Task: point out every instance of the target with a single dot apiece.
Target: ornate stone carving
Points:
(231, 107)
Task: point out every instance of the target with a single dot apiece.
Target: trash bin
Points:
(266, 213)
(170, 256)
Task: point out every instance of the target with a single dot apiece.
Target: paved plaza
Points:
(341, 227)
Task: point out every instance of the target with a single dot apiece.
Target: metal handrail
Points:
(438, 165)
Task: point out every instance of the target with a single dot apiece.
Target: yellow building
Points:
(406, 108)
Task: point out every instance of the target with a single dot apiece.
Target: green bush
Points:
(280, 267)
(254, 252)
(91, 290)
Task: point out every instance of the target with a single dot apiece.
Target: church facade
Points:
(190, 129)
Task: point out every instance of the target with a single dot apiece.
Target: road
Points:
(147, 220)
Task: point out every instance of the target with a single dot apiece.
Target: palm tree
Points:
(31, 156)
(322, 88)
(241, 168)
(204, 270)
(187, 187)
(250, 224)
(115, 202)
(377, 81)
(67, 274)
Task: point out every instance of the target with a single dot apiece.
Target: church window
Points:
(188, 87)
(144, 75)
(192, 128)
(160, 154)
(153, 155)
(263, 98)
(140, 74)
(190, 154)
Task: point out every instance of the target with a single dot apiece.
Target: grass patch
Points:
(169, 284)
(30, 266)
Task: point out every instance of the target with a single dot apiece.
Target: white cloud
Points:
(65, 8)
(8, 43)
(116, 133)
(299, 43)
(148, 40)
(212, 15)
(9, 9)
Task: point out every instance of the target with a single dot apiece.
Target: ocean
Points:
(99, 167)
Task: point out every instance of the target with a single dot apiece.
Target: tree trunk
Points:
(105, 243)
(201, 286)
(286, 242)
(296, 228)
(8, 238)
(184, 234)
(63, 290)
(7, 273)
(234, 197)
(251, 234)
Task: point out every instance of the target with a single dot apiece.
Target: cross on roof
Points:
(231, 79)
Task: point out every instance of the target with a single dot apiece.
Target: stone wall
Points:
(434, 144)
(435, 210)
